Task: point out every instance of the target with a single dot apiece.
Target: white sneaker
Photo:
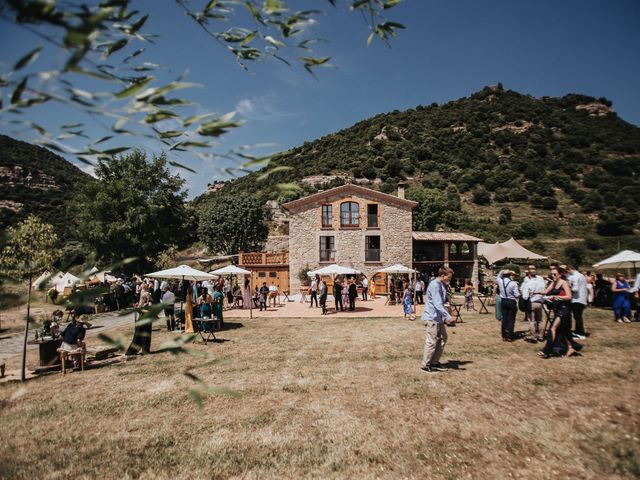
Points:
(579, 337)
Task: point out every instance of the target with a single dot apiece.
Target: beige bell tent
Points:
(509, 250)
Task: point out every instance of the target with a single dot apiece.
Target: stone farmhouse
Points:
(361, 228)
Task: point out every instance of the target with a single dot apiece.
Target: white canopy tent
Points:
(510, 249)
(233, 270)
(623, 259)
(67, 280)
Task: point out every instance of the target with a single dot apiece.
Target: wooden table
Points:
(48, 352)
(303, 294)
(457, 311)
(483, 299)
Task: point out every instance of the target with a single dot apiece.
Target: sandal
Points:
(541, 354)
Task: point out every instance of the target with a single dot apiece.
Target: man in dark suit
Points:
(337, 295)
(353, 293)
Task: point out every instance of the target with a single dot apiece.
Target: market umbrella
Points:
(334, 269)
(623, 259)
(233, 270)
(183, 272)
(399, 269)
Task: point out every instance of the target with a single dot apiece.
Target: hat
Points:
(84, 319)
(508, 272)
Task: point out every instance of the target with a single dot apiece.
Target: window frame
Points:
(351, 214)
(331, 257)
(329, 214)
(377, 215)
(368, 250)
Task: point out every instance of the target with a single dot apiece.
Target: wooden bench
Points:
(70, 354)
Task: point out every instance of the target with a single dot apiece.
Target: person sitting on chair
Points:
(73, 338)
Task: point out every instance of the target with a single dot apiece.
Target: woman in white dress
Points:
(246, 294)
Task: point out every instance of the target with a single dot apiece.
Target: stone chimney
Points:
(401, 190)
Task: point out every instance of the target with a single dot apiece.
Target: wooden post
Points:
(446, 254)
(251, 295)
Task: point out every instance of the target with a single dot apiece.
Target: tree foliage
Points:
(230, 225)
(30, 249)
(134, 209)
(106, 42)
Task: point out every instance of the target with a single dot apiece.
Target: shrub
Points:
(575, 253)
(614, 221)
(481, 196)
(549, 203)
(592, 243)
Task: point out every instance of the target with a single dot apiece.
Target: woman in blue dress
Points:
(407, 304)
(621, 302)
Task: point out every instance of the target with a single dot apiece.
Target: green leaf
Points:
(218, 126)
(138, 85)
(195, 119)
(391, 3)
(180, 165)
(115, 46)
(274, 42)
(197, 398)
(17, 93)
(279, 168)
(171, 133)
(273, 6)
(115, 151)
(70, 125)
(103, 139)
(160, 115)
(359, 3)
(28, 58)
(138, 24)
(134, 54)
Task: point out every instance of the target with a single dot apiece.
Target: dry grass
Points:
(338, 398)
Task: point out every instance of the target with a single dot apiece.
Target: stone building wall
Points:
(305, 230)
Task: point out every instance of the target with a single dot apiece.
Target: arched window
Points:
(465, 249)
(453, 249)
(349, 214)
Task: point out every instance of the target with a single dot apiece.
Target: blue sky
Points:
(451, 48)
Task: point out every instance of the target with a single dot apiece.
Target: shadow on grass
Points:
(456, 364)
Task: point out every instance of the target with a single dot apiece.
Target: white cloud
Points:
(262, 108)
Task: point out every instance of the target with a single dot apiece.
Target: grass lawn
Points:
(338, 398)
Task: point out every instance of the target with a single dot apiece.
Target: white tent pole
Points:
(251, 295)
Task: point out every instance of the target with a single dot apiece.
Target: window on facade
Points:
(262, 274)
(372, 215)
(327, 249)
(372, 248)
(273, 274)
(349, 214)
(453, 249)
(327, 216)
(465, 249)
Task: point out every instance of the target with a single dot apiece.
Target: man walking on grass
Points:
(435, 317)
(532, 288)
(578, 300)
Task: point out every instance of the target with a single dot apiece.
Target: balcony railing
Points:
(264, 258)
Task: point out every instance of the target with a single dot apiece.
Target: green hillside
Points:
(498, 163)
(35, 180)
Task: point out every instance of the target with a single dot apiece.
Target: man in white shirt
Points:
(273, 294)
(578, 300)
(314, 291)
(435, 317)
(365, 288)
(532, 287)
(419, 291)
(168, 300)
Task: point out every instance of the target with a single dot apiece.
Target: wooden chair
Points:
(69, 355)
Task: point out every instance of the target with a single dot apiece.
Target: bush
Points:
(592, 243)
(575, 254)
(537, 246)
(525, 230)
(303, 275)
(481, 196)
(549, 203)
(614, 221)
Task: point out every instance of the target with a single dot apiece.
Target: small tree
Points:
(28, 253)
(231, 225)
(575, 254)
(481, 196)
(615, 221)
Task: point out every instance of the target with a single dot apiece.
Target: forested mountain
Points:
(35, 180)
(495, 163)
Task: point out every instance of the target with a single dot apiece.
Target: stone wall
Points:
(305, 230)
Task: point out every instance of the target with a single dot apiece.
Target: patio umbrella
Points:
(399, 269)
(624, 259)
(334, 269)
(233, 270)
(182, 272)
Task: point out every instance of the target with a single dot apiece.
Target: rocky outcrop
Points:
(595, 109)
(390, 130)
(17, 175)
